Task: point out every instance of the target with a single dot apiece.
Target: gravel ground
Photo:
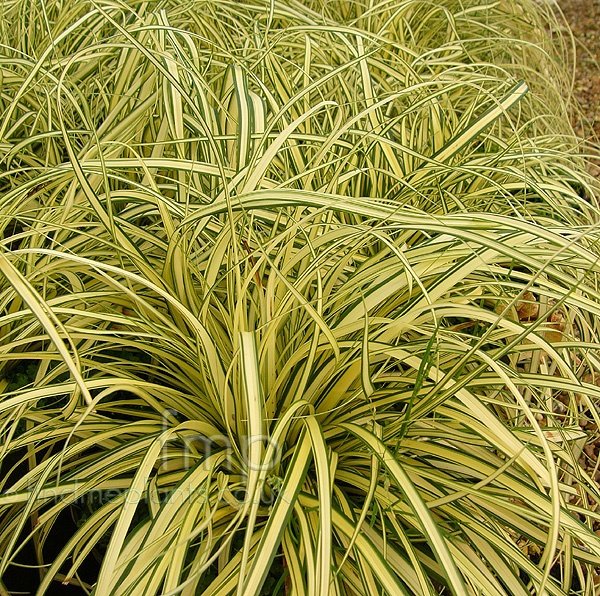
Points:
(583, 17)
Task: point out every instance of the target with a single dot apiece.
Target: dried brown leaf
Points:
(528, 307)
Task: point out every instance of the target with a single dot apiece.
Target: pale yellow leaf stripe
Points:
(430, 528)
(480, 124)
(254, 414)
(324, 548)
(367, 550)
(282, 510)
(48, 321)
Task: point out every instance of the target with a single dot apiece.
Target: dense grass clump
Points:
(296, 298)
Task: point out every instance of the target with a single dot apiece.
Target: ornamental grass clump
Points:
(296, 299)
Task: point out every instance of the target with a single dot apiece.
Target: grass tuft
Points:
(296, 298)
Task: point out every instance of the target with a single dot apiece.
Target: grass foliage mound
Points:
(296, 299)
